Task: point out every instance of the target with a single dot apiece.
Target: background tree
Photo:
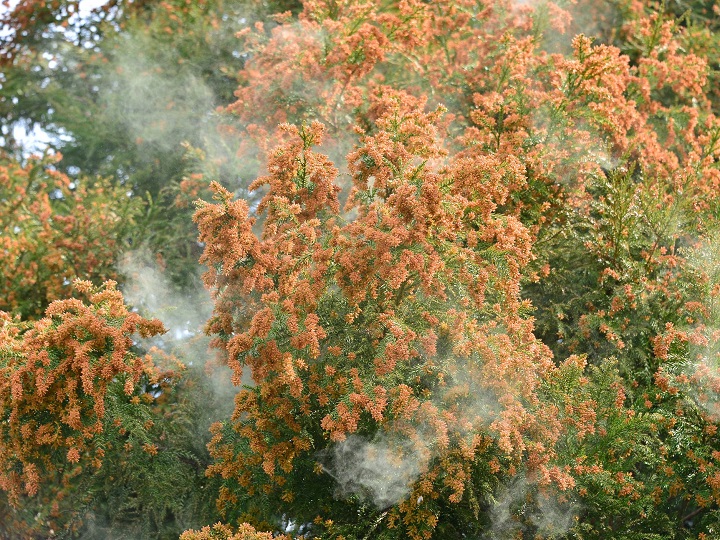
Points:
(55, 230)
(128, 91)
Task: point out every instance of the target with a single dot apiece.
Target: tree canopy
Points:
(360, 269)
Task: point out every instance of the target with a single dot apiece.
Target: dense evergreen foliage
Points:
(360, 269)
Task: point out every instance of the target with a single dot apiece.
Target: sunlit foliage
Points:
(471, 291)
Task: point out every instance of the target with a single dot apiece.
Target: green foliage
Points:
(510, 193)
